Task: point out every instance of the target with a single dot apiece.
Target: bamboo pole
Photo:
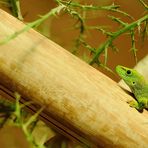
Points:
(80, 101)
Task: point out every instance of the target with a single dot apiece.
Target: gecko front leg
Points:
(135, 104)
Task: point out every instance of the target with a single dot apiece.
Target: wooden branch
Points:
(80, 101)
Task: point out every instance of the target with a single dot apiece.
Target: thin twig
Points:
(114, 36)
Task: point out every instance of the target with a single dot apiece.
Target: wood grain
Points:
(79, 100)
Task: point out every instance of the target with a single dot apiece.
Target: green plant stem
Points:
(114, 36)
(112, 7)
(15, 6)
(34, 24)
(144, 4)
(25, 126)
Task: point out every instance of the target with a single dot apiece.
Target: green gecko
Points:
(137, 84)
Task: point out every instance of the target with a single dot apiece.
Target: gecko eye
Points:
(128, 72)
(134, 83)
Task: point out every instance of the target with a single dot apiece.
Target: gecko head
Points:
(131, 77)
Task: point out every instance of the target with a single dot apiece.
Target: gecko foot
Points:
(135, 104)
